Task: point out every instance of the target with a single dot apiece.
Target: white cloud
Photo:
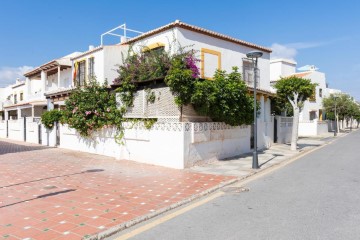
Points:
(8, 75)
(290, 50)
(283, 51)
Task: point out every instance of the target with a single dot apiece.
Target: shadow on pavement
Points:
(38, 197)
(66, 175)
(8, 147)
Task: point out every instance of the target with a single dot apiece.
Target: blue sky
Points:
(322, 33)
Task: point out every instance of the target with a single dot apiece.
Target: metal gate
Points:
(57, 133)
(24, 129)
(275, 130)
(39, 132)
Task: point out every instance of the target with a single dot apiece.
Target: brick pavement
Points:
(50, 193)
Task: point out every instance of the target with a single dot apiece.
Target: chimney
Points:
(122, 39)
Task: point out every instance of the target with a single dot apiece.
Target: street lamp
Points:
(255, 55)
(335, 132)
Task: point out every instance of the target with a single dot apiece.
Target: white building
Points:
(312, 112)
(178, 139)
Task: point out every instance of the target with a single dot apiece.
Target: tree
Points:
(295, 90)
(346, 108)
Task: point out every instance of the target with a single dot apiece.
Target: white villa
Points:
(180, 138)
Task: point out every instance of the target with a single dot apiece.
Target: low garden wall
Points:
(170, 144)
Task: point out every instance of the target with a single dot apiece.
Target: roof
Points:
(301, 74)
(33, 103)
(198, 30)
(262, 90)
(283, 60)
(98, 48)
(64, 62)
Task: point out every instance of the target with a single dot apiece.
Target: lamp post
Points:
(335, 132)
(254, 55)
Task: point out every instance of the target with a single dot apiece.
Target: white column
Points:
(50, 104)
(6, 115)
(43, 81)
(27, 88)
(32, 111)
(262, 106)
(19, 113)
(58, 82)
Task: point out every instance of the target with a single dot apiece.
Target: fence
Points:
(284, 129)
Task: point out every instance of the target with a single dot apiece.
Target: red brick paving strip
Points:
(50, 193)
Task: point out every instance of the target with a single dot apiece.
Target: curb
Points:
(122, 226)
(125, 225)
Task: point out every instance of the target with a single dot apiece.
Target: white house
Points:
(312, 113)
(180, 138)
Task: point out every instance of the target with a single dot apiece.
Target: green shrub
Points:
(49, 118)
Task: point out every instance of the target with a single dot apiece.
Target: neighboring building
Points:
(27, 98)
(98, 63)
(281, 68)
(312, 108)
(312, 113)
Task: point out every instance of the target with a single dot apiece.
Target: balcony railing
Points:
(248, 76)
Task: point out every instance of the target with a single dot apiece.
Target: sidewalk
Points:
(241, 166)
(53, 193)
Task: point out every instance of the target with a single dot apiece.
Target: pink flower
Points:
(87, 112)
(108, 109)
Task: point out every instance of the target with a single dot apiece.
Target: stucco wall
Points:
(32, 132)
(16, 129)
(3, 129)
(176, 145)
(284, 129)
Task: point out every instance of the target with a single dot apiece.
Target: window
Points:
(15, 99)
(80, 74)
(91, 64)
(248, 73)
(312, 115)
(210, 62)
(320, 92)
(21, 96)
(312, 98)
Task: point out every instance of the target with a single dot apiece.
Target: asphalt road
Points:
(315, 197)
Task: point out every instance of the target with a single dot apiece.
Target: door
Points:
(275, 130)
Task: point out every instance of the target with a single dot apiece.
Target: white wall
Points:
(307, 128)
(16, 129)
(48, 137)
(284, 129)
(113, 58)
(176, 145)
(3, 129)
(32, 131)
(319, 78)
(209, 141)
(281, 68)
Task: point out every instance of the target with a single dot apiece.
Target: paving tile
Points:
(42, 187)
